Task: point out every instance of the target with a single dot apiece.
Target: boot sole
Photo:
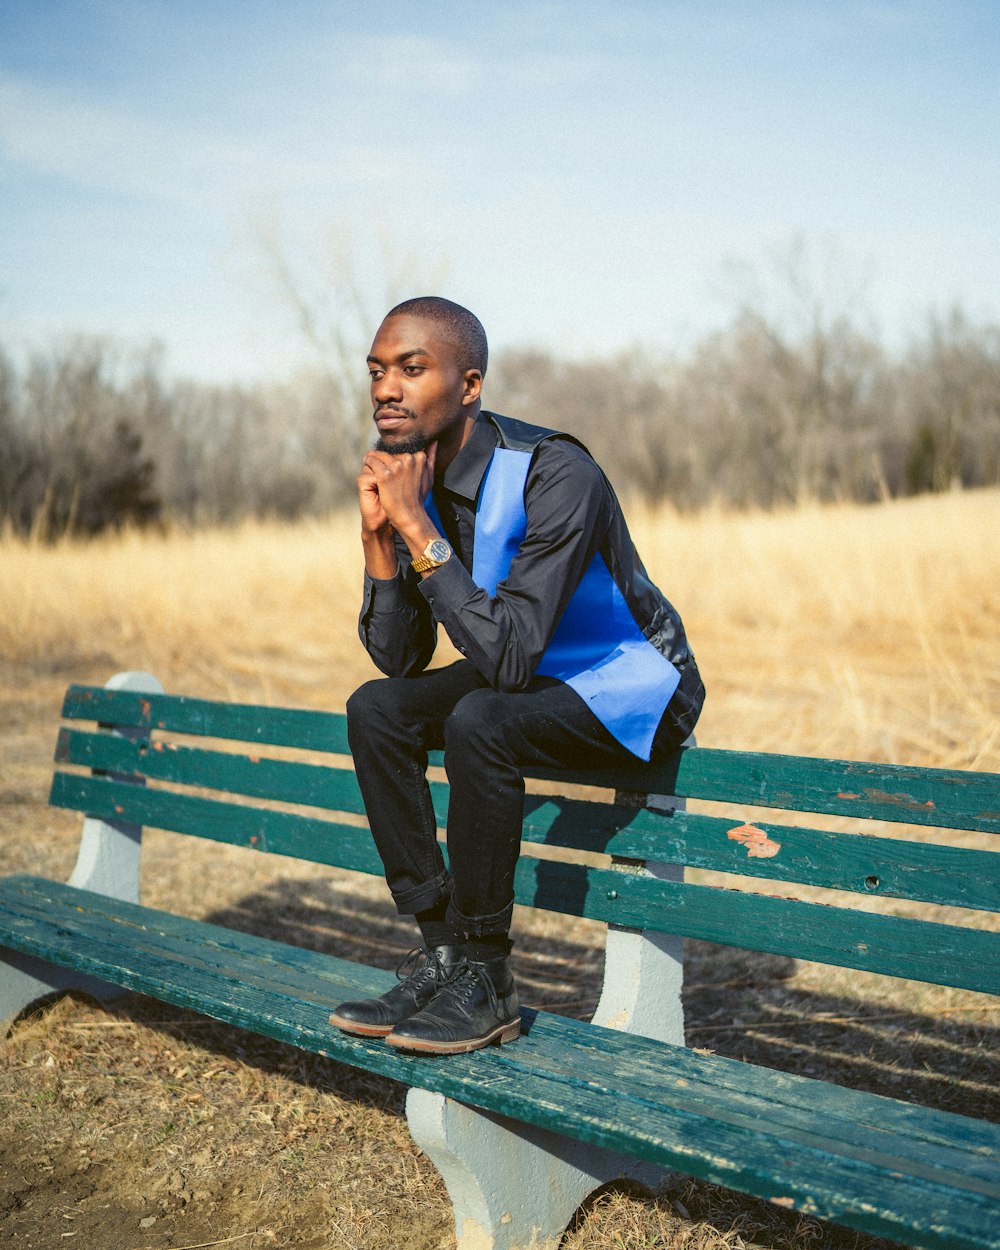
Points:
(361, 1030)
(503, 1033)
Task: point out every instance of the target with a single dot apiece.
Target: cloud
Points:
(114, 149)
(426, 66)
(411, 64)
(98, 146)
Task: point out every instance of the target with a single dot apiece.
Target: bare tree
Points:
(81, 462)
(951, 381)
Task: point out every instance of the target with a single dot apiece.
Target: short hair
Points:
(461, 326)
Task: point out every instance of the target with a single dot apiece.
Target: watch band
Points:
(436, 553)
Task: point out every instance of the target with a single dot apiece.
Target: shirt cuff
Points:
(386, 593)
(448, 587)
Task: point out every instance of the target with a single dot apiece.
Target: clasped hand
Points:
(392, 489)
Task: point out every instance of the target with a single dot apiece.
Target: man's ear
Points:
(472, 383)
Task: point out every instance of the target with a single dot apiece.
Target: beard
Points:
(404, 446)
(401, 446)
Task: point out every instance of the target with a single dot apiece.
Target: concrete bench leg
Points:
(108, 863)
(513, 1186)
(25, 981)
(516, 1187)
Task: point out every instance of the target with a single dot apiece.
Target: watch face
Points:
(438, 550)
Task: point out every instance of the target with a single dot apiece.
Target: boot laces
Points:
(421, 965)
(466, 977)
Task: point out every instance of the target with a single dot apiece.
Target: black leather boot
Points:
(478, 1005)
(421, 974)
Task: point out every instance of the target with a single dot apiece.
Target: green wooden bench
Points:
(523, 1132)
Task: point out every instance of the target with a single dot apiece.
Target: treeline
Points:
(92, 436)
(753, 417)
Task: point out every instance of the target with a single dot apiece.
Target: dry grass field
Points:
(866, 633)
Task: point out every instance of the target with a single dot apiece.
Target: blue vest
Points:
(597, 647)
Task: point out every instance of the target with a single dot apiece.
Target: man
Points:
(510, 537)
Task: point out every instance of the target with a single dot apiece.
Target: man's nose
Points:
(387, 388)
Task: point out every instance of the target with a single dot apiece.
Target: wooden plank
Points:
(310, 785)
(882, 867)
(939, 954)
(922, 871)
(188, 943)
(936, 953)
(890, 792)
(196, 942)
(265, 962)
(97, 917)
(256, 828)
(242, 722)
(646, 1112)
(286, 970)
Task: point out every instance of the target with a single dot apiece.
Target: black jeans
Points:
(487, 737)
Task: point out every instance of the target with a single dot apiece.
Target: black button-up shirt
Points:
(572, 513)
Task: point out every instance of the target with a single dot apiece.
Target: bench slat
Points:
(926, 872)
(897, 793)
(242, 722)
(921, 871)
(310, 785)
(879, 1182)
(871, 791)
(937, 953)
(259, 829)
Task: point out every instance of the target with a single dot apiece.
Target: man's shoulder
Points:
(517, 435)
(556, 458)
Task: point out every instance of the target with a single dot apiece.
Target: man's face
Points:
(419, 391)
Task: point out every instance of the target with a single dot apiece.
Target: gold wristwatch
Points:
(436, 553)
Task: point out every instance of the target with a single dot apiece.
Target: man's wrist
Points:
(380, 554)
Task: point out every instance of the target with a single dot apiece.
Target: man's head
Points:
(426, 367)
(457, 324)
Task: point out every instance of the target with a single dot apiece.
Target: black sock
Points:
(434, 929)
(492, 946)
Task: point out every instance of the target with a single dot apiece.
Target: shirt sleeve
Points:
(396, 625)
(569, 506)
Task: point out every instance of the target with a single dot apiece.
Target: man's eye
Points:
(374, 374)
(412, 370)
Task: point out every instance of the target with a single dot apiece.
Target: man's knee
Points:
(476, 725)
(370, 707)
(359, 702)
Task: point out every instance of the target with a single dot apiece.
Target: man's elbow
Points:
(514, 681)
(394, 666)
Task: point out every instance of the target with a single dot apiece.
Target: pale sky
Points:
(582, 171)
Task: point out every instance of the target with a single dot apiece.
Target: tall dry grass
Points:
(864, 632)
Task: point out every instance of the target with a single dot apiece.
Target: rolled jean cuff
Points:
(496, 925)
(425, 896)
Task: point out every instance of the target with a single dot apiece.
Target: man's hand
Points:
(392, 491)
(374, 520)
(401, 485)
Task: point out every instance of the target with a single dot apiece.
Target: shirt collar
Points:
(464, 475)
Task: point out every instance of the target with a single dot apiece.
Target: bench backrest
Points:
(205, 790)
